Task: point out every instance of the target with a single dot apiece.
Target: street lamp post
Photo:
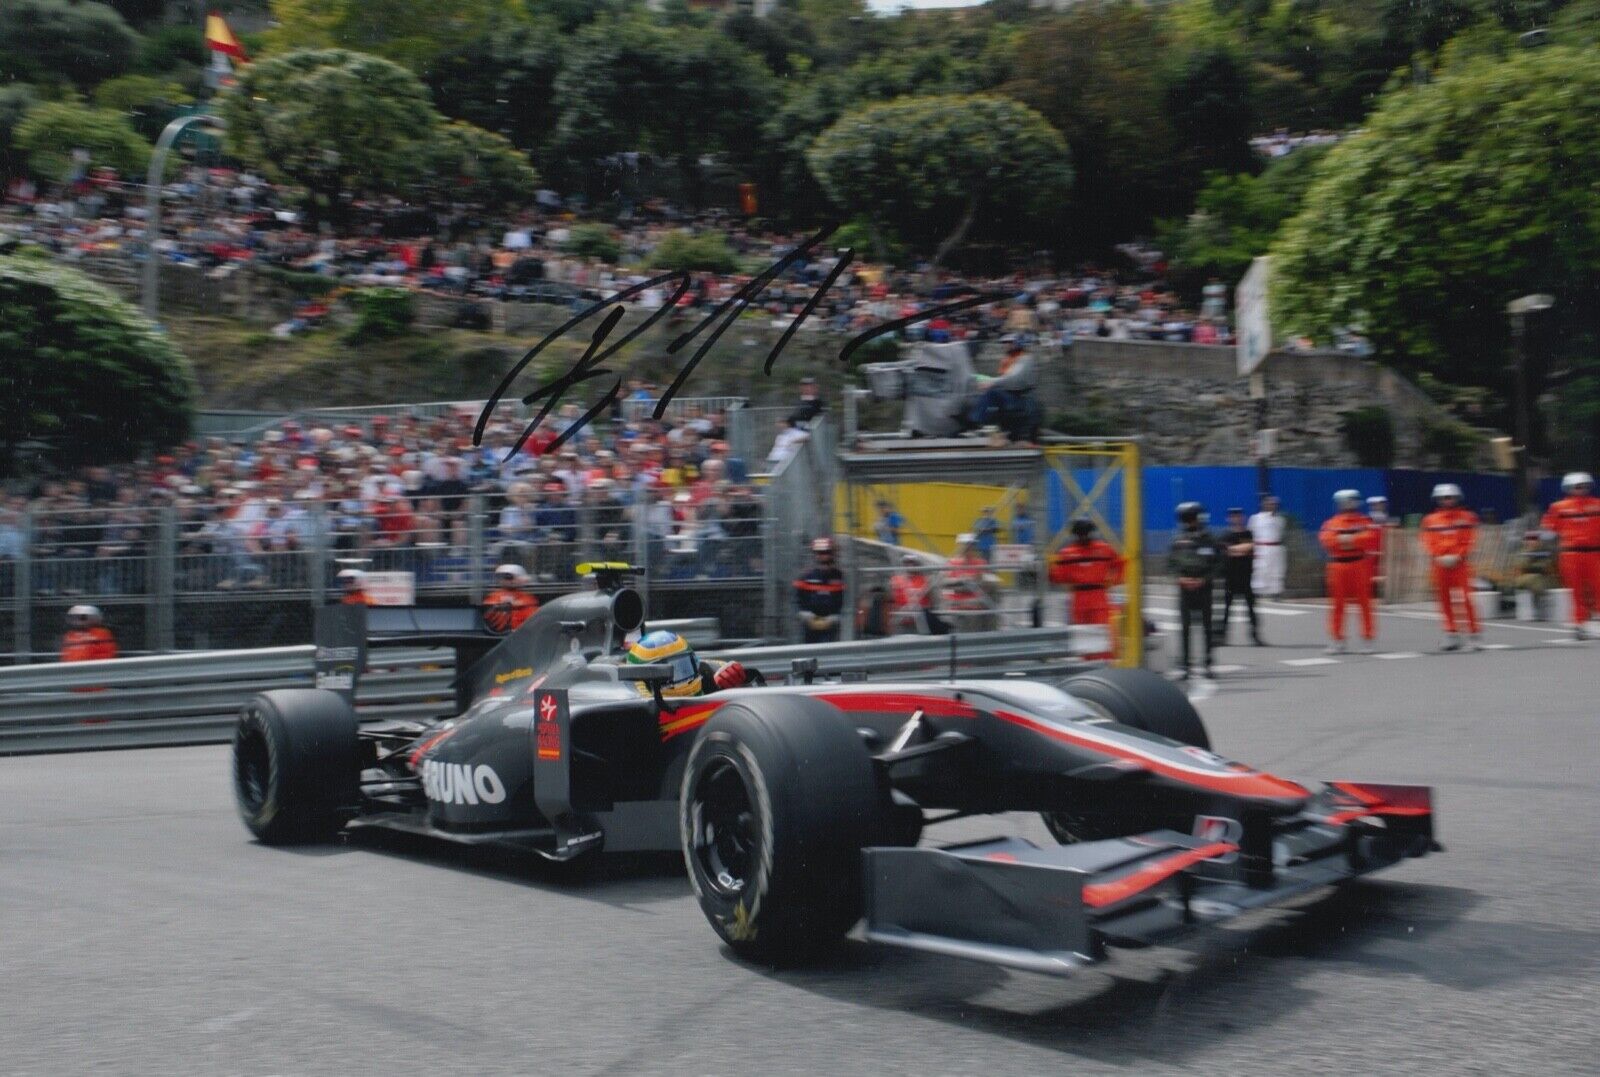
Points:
(1519, 310)
(152, 203)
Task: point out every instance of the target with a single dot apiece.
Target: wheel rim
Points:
(726, 835)
(252, 769)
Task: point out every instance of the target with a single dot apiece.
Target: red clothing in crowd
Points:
(1088, 568)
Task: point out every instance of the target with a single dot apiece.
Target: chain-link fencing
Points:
(202, 576)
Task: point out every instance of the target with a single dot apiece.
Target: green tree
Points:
(503, 81)
(1369, 434)
(933, 168)
(149, 103)
(1095, 74)
(15, 101)
(707, 252)
(1236, 217)
(42, 40)
(594, 240)
(410, 32)
(51, 131)
(1458, 196)
(334, 122)
(680, 92)
(467, 163)
(82, 371)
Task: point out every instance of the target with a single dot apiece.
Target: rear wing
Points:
(345, 634)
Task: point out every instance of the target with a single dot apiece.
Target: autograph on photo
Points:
(727, 312)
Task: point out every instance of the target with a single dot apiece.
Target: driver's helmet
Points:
(669, 649)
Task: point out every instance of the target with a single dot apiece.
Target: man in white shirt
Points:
(1271, 560)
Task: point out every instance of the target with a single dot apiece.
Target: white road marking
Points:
(1226, 669)
(1310, 661)
(1398, 654)
(1496, 646)
(1238, 617)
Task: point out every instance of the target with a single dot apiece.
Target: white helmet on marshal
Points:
(511, 575)
(1446, 489)
(83, 616)
(1576, 478)
(1347, 499)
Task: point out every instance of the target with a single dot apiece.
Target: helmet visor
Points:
(684, 668)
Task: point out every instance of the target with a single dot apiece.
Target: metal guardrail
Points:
(194, 698)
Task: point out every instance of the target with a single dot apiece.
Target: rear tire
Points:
(1131, 697)
(296, 765)
(779, 795)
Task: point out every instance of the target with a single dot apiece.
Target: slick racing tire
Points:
(1143, 700)
(1132, 697)
(778, 797)
(296, 765)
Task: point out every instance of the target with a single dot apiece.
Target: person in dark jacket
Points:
(1193, 561)
(1238, 562)
(819, 593)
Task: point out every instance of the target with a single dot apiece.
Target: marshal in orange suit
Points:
(1349, 537)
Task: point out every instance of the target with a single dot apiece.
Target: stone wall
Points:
(1193, 408)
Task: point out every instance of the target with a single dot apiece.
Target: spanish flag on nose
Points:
(220, 39)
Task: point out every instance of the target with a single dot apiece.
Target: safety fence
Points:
(187, 575)
(195, 698)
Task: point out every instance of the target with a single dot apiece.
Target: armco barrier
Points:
(194, 698)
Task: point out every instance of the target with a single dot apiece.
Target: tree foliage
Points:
(409, 32)
(149, 103)
(332, 121)
(51, 131)
(1237, 216)
(681, 92)
(503, 81)
(932, 167)
(1459, 196)
(46, 40)
(1090, 73)
(82, 371)
(460, 161)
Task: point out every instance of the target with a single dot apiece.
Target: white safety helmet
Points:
(1576, 478)
(83, 616)
(1446, 489)
(1347, 499)
(511, 574)
(352, 578)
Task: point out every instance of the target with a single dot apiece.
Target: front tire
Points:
(778, 797)
(1131, 697)
(1143, 700)
(296, 765)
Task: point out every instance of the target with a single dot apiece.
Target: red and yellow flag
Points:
(220, 39)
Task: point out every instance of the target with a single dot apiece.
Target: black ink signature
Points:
(727, 312)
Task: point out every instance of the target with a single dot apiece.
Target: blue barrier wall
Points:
(1306, 493)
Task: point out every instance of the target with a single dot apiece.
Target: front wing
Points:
(1010, 902)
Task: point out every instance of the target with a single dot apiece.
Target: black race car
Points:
(799, 807)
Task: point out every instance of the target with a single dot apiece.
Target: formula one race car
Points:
(799, 807)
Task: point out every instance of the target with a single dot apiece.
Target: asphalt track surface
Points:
(141, 932)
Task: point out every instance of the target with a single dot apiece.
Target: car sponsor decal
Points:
(547, 727)
(512, 674)
(461, 783)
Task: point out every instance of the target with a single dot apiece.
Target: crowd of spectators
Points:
(221, 220)
(397, 493)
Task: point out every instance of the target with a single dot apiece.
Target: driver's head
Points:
(669, 649)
